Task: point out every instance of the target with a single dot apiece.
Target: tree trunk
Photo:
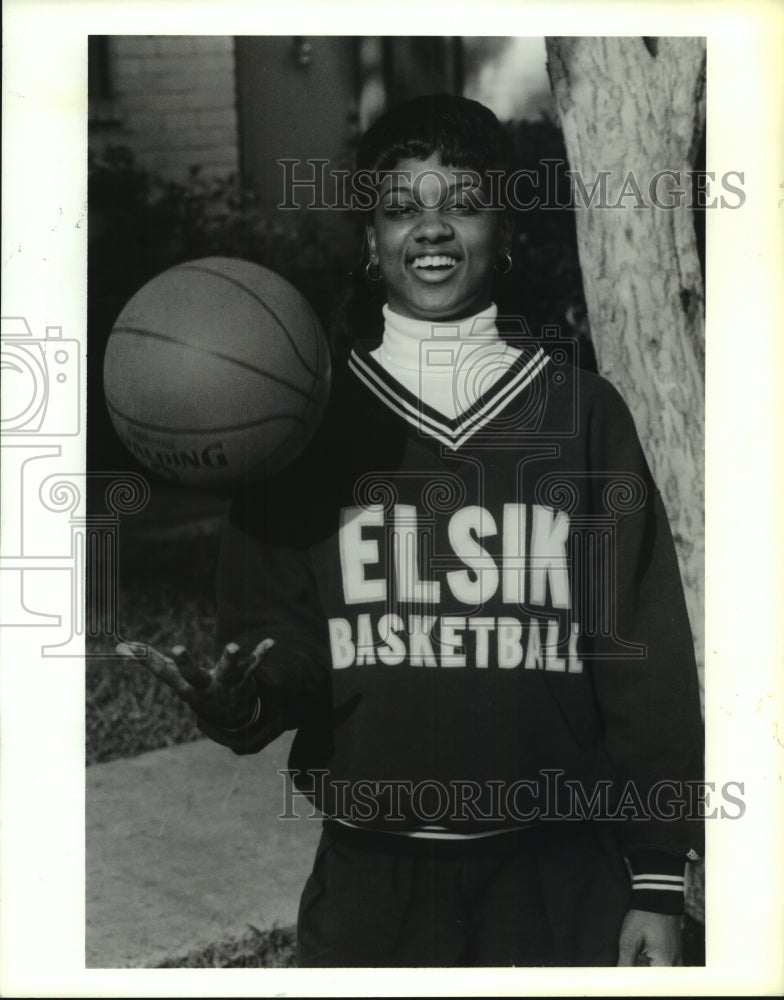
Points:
(634, 107)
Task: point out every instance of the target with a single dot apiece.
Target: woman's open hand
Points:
(223, 694)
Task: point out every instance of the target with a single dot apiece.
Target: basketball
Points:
(214, 369)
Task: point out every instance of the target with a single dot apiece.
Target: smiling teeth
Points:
(435, 261)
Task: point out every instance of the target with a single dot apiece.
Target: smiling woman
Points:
(464, 597)
(436, 250)
(437, 238)
(436, 160)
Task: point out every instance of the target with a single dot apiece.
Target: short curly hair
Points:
(464, 133)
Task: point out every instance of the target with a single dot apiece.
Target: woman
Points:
(465, 599)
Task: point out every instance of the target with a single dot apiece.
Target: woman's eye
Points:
(399, 210)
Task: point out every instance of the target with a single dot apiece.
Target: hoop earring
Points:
(508, 259)
(375, 277)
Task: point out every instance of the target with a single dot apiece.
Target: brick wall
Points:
(173, 102)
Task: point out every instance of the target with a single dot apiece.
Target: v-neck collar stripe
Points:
(417, 419)
(451, 432)
(377, 381)
(525, 378)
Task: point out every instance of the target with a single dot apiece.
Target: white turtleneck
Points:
(447, 365)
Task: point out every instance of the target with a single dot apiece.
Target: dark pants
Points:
(556, 900)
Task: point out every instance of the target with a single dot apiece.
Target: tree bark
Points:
(635, 107)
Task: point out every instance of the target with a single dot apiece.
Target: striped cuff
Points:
(256, 714)
(657, 882)
(250, 738)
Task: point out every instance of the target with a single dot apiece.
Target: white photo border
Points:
(44, 245)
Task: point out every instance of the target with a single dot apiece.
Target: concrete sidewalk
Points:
(184, 847)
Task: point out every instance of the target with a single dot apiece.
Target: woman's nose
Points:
(433, 225)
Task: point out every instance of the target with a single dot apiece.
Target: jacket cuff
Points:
(657, 882)
(249, 739)
(257, 731)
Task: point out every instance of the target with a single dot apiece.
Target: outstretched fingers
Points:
(196, 676)
(206, 691)
(226, 667)
(230, 670)
(163, 667)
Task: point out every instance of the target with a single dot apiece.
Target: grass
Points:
(166, 597)
(257, 949)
